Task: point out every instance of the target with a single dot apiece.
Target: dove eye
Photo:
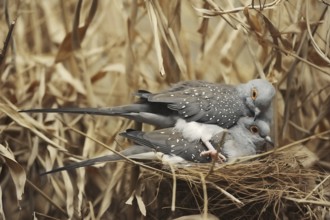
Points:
(254, 129)
(254, 94)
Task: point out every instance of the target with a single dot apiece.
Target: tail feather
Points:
(137, 137)
(140, 112)
(84, 163)
(143, 94)
(119, 110)
(132, 152)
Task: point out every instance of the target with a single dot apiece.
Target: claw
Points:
(214, 155)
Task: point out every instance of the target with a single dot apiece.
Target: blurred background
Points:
(98, 53)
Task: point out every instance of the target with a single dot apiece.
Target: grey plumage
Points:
(198, 101)
(245, 138)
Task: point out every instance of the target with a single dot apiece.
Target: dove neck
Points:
(242, 90)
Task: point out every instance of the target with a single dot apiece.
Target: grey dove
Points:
(245, 138)
(199, 101)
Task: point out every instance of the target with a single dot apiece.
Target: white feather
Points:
(194, 131)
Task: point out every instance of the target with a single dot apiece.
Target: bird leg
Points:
(212, 151)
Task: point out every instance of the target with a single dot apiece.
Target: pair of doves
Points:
(194, 115)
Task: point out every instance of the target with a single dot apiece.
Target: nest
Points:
(274, 185)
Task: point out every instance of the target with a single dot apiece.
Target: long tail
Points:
(140, 112)
(84, 163)
(136, 137)
(118, 110)
(134, 152)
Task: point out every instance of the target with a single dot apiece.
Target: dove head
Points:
(256, 131)
(246, 138)
(258, 95)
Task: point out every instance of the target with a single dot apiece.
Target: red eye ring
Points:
(254, 129)
(254, 94)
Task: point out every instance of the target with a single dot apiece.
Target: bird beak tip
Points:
(256, 113)
(269, 140)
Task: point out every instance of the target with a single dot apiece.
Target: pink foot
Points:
(214, 155)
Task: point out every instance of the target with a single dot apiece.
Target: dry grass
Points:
(97, 53)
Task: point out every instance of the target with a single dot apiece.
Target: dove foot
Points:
(214, 155)
(212, 151)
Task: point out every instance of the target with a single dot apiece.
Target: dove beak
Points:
(269, 141)
(256, 113)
